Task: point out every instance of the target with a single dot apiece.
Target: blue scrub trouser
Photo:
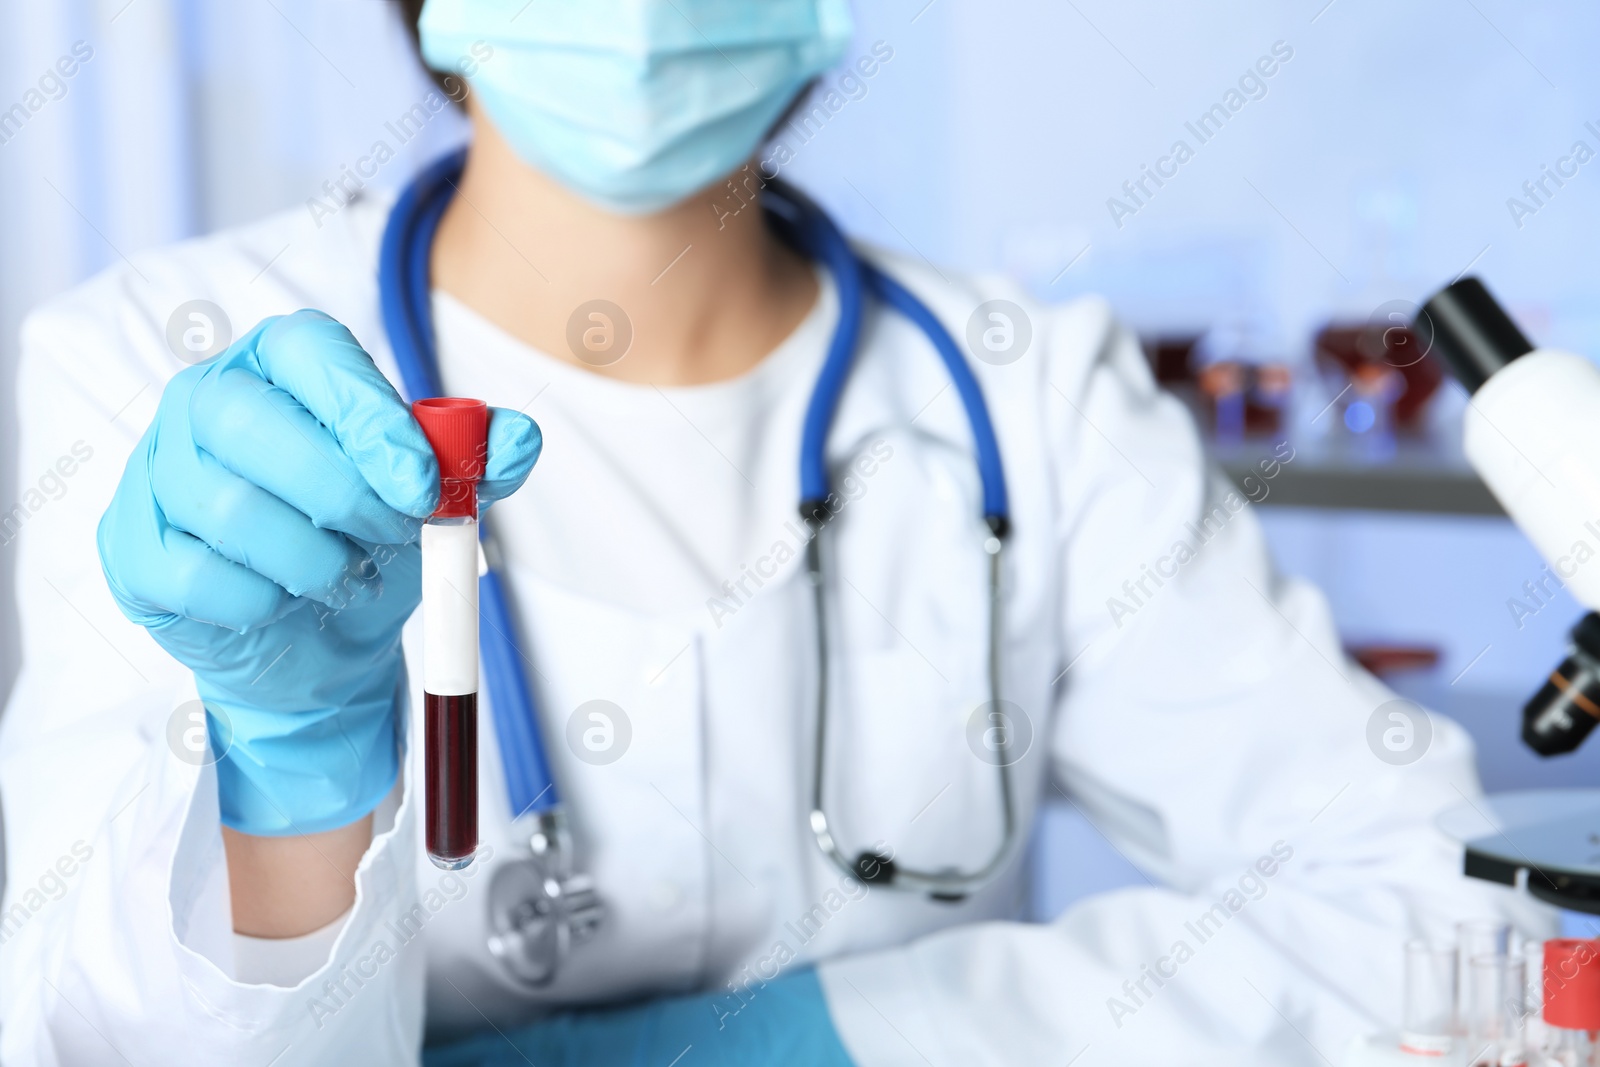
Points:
(781, 1022)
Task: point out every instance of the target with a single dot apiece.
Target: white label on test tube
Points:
(450, 608)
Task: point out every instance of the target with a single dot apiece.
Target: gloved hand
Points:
(265, 532)
(784, 1021)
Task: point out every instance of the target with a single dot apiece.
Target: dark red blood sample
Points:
(451, 760)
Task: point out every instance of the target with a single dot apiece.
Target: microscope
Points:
(1527, 432)
(1530, 434)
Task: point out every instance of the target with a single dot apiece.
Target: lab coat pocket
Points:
(911, 735)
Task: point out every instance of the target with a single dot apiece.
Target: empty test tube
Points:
(1494, 1011)
(1429, 1013)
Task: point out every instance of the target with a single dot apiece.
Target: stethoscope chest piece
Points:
(539, 908)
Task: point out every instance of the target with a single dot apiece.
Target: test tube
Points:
(1480, 937)
(1429, 1017)
(1494, 1011)
(1532, 953)
(458, 430)
(1572, 1002)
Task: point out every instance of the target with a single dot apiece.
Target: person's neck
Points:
(707, 294)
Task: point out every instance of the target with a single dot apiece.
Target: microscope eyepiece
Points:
(1567, 707)
(1471, 331)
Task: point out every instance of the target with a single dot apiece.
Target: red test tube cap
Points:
(458, 430)
(1572, 984)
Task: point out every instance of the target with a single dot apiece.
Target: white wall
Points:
(1391, 142)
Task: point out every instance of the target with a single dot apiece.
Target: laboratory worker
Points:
(835, 568)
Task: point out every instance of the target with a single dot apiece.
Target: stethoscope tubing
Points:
(403, 288)
(404, 297)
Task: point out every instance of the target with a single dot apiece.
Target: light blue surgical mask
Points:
(636, 104)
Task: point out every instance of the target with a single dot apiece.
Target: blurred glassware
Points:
(1389, 377)
(1494, 1009)
(1222, 384)
(1480, 937)
(1535, 1032)
(1428, 1022)
(1231, 375)
(1171, 358)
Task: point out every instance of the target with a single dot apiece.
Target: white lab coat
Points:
(1215, 733)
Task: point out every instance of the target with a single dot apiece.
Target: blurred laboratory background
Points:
(1340, 161)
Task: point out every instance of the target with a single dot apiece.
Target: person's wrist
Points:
(291, 886)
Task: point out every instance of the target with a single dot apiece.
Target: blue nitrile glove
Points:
(265, 531)
(781, 1022)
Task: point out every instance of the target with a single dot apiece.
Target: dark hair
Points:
(410, 14)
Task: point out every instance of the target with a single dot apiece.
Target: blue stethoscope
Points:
(539, 906)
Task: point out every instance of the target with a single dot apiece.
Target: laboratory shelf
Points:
(1420, 474)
